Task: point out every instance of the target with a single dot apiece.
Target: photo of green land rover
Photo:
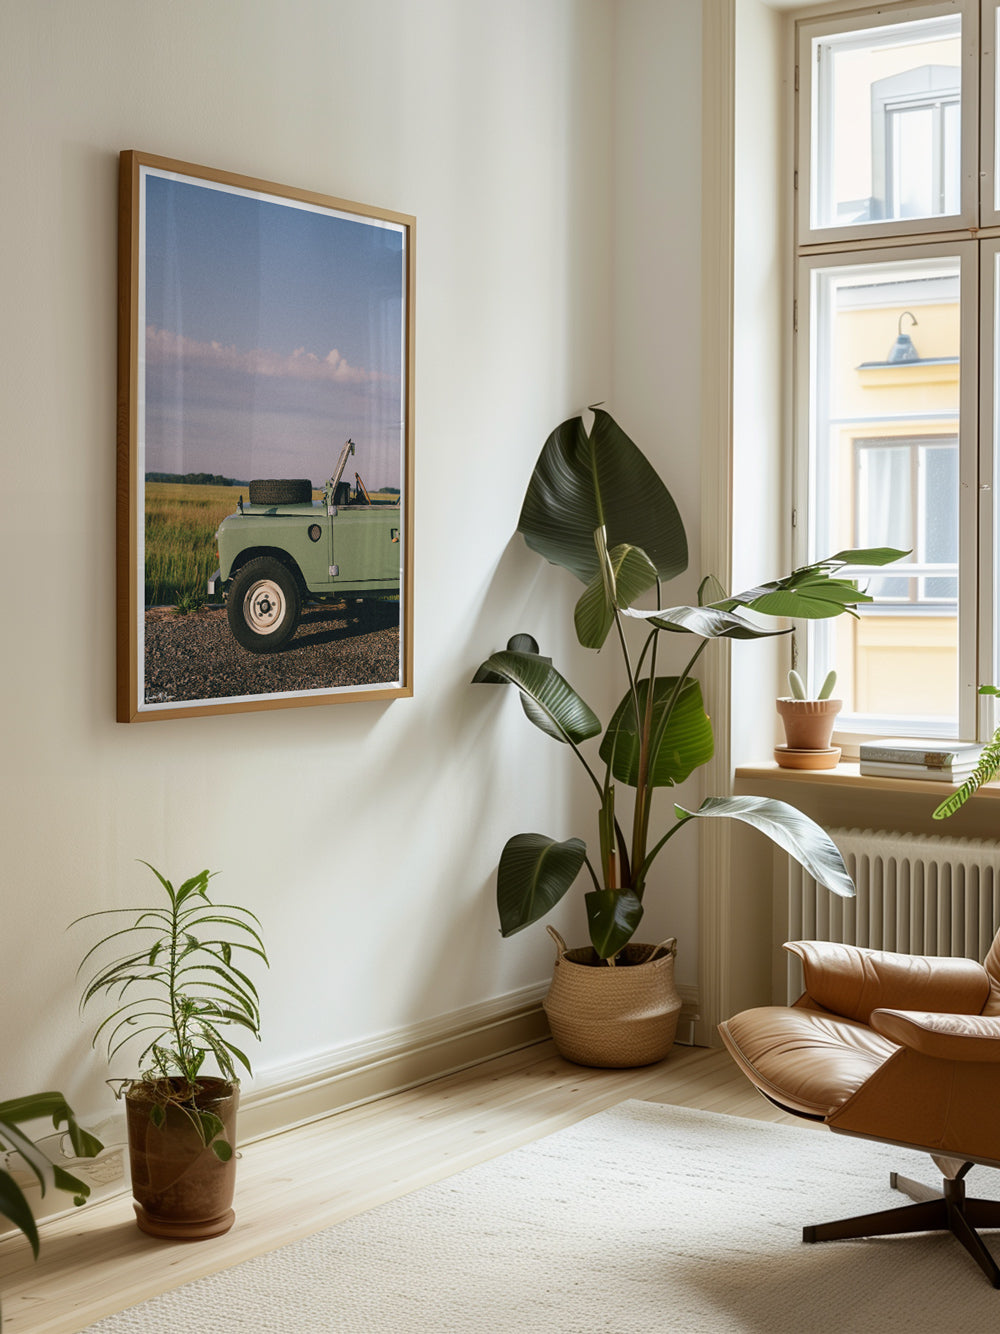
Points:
(286, 548)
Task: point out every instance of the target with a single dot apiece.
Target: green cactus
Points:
(826, 690)
(796, 685)
(797, 688)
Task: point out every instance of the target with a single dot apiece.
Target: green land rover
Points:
(284, 549)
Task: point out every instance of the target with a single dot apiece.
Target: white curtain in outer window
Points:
(885, 511)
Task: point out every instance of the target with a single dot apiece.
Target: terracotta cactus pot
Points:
(808, 722)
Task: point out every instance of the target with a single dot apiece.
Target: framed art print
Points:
(265, 445)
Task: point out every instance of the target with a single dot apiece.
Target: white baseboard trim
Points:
(402, 1059)
(365, 1071)
(344, 1077)
(330, 1082)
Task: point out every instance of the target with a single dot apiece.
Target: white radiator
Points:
(916, 894)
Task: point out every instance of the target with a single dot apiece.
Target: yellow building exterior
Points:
(893, 425)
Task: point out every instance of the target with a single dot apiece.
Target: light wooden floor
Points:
(95, 1261)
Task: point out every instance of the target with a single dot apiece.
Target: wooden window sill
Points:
(842, 798)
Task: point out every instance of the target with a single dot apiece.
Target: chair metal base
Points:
(947, 1210)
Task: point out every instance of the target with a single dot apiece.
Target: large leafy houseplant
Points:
(176, 993)
(14, 1113)
(596, 506)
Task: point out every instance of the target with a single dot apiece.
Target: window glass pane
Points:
(883, 471)
(884, 513)
(911, 147)
(886, 137)
(938, 536)
(952, 158)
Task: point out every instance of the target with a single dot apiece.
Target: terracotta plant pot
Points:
(613, 1017)
(808, 722)
(182, 1189)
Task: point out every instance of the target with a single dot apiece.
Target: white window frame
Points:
(810, 87)
(987, 495)
(810, 648)
(989, 205)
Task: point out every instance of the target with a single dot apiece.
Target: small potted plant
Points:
(596, 506)
(175, 993)
(808, 725)
(14, 1113)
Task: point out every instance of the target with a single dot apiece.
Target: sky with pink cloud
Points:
(273, 332)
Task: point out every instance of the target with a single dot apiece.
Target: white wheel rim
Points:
(264, 607)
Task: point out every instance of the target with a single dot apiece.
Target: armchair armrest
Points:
(852, 981)
(948, 1037)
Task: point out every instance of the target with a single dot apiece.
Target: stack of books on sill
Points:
(909, 757)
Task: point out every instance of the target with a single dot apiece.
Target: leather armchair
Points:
(895, 1047)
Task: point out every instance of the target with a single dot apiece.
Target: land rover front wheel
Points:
(264, 605)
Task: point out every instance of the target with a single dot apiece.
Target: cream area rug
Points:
(643, 1218)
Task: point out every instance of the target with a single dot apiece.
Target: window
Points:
(897, 240)
(916, 139)
(885, 126)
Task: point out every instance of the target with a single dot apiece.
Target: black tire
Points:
(281, 491)
(264, 605)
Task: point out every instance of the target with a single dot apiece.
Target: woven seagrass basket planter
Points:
(613, 1017)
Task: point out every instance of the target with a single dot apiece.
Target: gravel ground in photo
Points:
(194, 656)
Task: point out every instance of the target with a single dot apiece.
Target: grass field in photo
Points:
(181, 521)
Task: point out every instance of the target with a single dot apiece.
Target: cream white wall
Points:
(762, 346)
(365, 836)
(657, 314)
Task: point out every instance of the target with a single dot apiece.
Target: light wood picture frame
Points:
(265, 445)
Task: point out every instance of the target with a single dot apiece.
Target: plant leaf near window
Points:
(595, 506)
(987, 768)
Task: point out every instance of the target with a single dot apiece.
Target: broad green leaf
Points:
(535, 872)
(584, 482)
(222, 1149)
(13, 1204)
(548, 699)
(866, 556)
(613, 915)
(627, 573)
(799, 836)
(709, 622)
(15, 1208)
(70, 1184)
(686, 741)
(37, 1106)
(810, 600)
(710, 590)
(15, 1138)
(812, 592)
